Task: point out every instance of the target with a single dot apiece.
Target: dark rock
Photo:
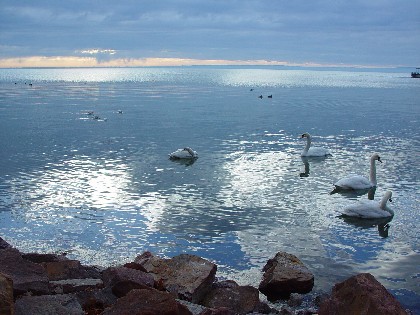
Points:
(40, 258)
(74, 285)
(69, 269)
(6, 295)
(189, 276)
(96, 301)
(285, 274)
(228, 294)
(27, 276)
(48, 304)
(136, 266)
(361, 294)
(218, 311)
(122, 280)
(147, 302)
(4, 244)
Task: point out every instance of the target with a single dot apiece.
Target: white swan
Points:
(370, 209)
(360, 182)
(185, 153)
(314, 151)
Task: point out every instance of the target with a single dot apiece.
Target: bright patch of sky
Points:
(130, 33)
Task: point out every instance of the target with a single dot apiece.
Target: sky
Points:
(360, 33)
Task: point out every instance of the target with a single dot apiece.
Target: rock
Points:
(228, 294)
(189, 276)
(95, 301)
(48, 304)
(285, 274)
(27, 276)
(147, 302)
(6, 295)
(361, 294)
(40, 258)
(69, 269)
(295, 299)
(136, 266)
(218, 311)
(74, 285)
(4, 244)
(122, 280)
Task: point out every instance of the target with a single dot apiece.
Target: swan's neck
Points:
(308, 144)
(383, 202)
(373, 172)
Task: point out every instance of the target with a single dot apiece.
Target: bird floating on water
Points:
(370, 209)
(312, 151)
(358, 182)
(185, 153)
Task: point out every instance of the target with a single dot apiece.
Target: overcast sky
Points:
(143, 32)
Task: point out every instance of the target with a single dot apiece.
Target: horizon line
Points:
(92, 62)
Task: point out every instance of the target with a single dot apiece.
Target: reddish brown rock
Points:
(361, 294)
(48, 304)
(189, 276)
(74, 285)
(6, 295)
(69, 269)
(228, 294)
(122, 280)
(285, 274)
(147, 302)
(27, 276)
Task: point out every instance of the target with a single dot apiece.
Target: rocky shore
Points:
(39, 284)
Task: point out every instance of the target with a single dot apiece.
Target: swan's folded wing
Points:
(354, 182)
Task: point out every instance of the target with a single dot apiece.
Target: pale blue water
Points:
(105, 191)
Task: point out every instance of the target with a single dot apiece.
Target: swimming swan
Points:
(360, 182)
(370, 209)
(314, 151)
(185, 153)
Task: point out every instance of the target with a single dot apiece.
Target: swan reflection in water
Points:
(312, 159)
(382, 224)
(186, 162)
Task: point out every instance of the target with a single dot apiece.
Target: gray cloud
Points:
(377, 32)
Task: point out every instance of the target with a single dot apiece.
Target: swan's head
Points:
(305, 135)
(376, 157)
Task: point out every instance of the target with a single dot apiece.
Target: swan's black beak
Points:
(302, 136)
(379, 159)
(390, 200)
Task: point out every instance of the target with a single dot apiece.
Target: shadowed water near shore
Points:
(105, 190)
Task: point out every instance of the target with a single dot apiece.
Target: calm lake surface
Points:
(103, 190)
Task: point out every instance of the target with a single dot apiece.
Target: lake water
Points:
(103, 190)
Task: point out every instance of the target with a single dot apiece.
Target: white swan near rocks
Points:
(357, 182)
(370, 209)
(313, 151)
(185, 153)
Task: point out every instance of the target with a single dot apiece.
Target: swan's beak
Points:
(390, 200)
(302, 136)
(379, 159)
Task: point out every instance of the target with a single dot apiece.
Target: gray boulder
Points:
(48, 304)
